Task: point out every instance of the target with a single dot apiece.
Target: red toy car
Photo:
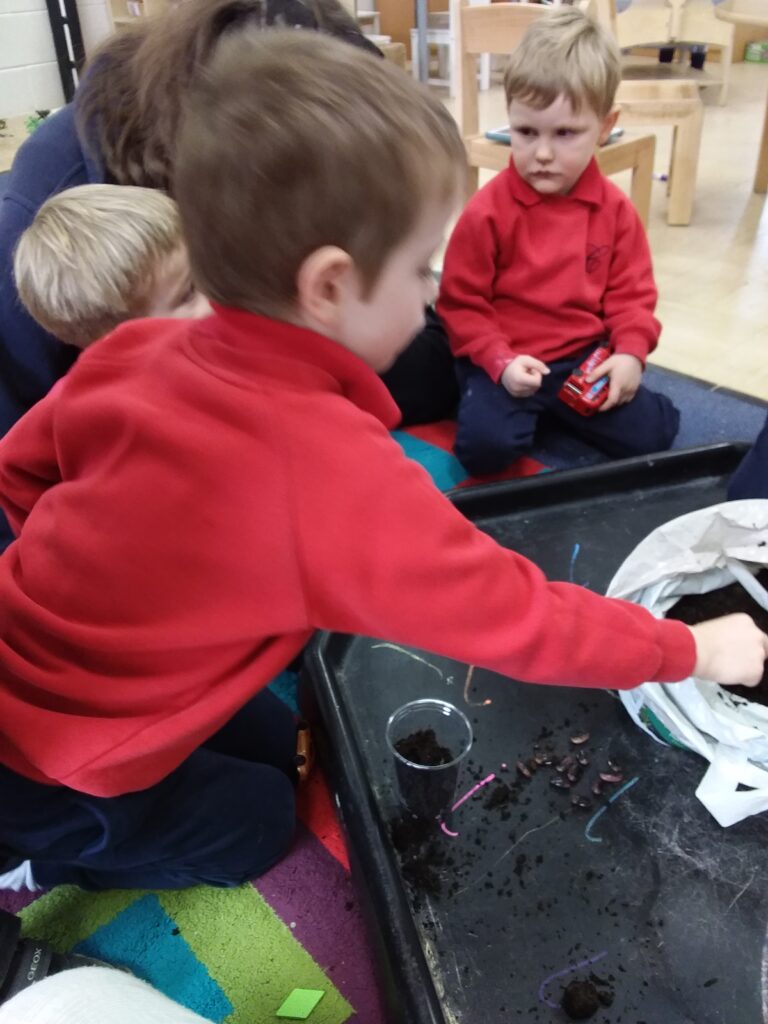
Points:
(586, 398)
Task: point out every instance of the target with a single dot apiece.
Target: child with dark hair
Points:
(121, 128)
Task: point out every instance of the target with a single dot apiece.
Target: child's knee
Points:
(656, 424)
(663, 428)
(481, 455)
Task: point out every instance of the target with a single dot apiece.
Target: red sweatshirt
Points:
(526, 274)
(194, 499)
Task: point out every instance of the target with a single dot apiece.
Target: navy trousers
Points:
(751, 478)
(494, 428)
(225, 815)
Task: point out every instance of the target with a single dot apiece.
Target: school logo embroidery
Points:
(595, 256)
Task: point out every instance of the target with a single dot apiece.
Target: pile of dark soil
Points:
(422, 747)
(582, 999)
(426, 794)
(695, 608)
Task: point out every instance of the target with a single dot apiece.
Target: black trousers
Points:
(423, 379)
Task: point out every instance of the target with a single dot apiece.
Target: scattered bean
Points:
(580, 738)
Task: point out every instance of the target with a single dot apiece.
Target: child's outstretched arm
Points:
(396, 560)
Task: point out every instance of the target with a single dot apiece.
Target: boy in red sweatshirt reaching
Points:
(198, 496)
(550, 259)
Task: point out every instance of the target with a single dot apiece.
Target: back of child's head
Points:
(294, 141)
(566, 54)
(89, 259)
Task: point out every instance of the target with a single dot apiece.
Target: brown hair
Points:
(88, 260)
(129, 102)
(293, 141)
(565, 54)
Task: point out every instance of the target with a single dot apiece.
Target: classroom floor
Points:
(712, 275)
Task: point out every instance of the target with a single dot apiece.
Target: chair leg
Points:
(642, 180)
(485, 71)
(726, 59)
(670, 167)
(761, 175)
(415, 54)
(685, 161)
(473, 180)
(453, 66)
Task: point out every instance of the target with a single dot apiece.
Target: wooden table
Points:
(756, 20)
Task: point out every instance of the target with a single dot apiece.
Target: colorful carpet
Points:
(235, 955)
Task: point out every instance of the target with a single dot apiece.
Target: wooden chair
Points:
(752, 15)
(497, 28)
(674, 22)
(440, 34)
(654, 99)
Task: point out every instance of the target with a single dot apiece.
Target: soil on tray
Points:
(695, 608)
(419, 853)
(582, 999)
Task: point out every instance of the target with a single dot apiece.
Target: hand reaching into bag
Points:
(730, 650)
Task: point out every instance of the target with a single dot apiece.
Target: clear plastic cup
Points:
(428, 740)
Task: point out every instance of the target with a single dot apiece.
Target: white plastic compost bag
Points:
(694, 554)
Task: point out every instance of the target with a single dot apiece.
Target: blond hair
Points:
(88, 260)
(566, 54)
(293, 141)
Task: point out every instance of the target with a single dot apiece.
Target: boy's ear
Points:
(326, 278)
(607, 126)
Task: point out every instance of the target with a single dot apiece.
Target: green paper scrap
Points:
(300, 1003)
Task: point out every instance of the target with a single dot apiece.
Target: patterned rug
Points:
(235, 955)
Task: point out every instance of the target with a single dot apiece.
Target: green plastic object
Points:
(300, 1003)
(757, 52)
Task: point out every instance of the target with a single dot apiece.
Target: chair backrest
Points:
(495, 28)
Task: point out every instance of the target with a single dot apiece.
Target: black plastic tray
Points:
(670, 909)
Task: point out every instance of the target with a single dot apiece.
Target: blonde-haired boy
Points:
(550, 259)
(199, 496)
(97, 255)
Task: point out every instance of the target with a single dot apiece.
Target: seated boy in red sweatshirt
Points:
(548, 260)
(198, 496)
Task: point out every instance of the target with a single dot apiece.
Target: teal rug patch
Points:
(147, 941)
(444, 468)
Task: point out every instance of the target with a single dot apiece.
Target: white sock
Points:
(19, 878)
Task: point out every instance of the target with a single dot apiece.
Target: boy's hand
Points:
(624, 372)
(522, 377)
(730, 650)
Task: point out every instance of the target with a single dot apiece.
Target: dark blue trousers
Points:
(751, 478)
(494, 428)
(225, 815)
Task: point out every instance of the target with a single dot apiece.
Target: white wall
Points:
(29, 74)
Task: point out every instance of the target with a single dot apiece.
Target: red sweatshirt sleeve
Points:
(630, 298)
(466, 289)
(28, 463)
(392, 558)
